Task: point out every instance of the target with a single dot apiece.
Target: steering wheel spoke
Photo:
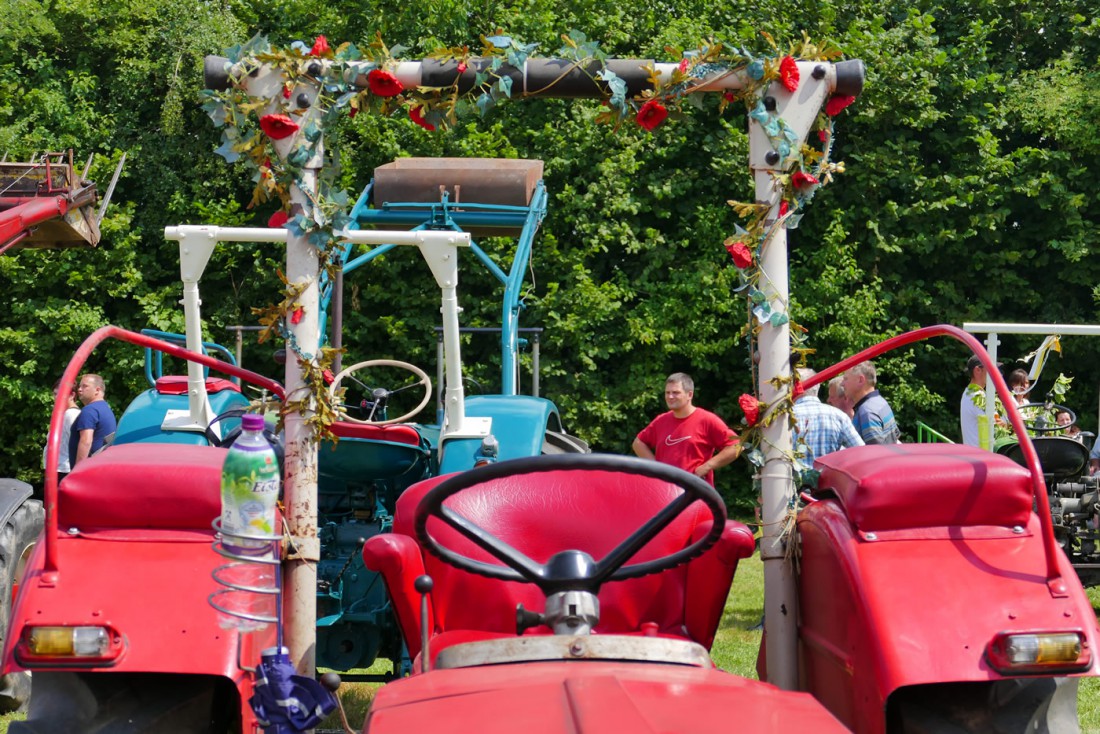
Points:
(525, 568)
(617, 557)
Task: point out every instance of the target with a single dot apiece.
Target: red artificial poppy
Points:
(652, 114)
(286, 91)
(328, 377)
(788, 73)
(278, 127)
(751, 407)
(837, 103)
(278, 219)
(783, 208)
(416, 114)
(729, 96)
(296, 316)
(384, 84)
(823, 135)
(683, 65)
(800, 180)
(320, 47)
(742, 258)
(462, 67)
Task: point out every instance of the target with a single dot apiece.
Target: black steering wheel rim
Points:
(212, 437)
(612, 566)
(229, 438)
(1052, 408)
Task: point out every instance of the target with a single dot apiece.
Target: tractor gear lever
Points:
(423, 586)
(526, 619)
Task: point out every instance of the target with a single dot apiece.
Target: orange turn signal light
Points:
(1039, 652)
(78, 645)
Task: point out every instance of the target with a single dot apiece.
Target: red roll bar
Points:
(66, 386)
(1042, 504)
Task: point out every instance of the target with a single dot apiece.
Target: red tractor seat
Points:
(539, 515)
(143, 486)
(394, 433)
(903, 486)
(177, 385)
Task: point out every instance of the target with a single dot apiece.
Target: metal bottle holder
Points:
(240, 595)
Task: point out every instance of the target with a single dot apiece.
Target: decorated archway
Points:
(276, 106)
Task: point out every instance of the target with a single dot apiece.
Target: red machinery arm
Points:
(16, 223)
(1042, 504)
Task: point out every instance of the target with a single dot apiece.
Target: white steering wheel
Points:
(381, 395)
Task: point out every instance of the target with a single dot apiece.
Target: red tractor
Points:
(918, 588)
(44, 203)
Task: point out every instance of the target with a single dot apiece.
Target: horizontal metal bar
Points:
(493, 329)
(1045, 329)
(359, 236)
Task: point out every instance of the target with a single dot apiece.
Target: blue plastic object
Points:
(284, 702)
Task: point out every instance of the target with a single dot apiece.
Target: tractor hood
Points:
(591, 696)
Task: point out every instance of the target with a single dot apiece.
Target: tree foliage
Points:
(969, 197)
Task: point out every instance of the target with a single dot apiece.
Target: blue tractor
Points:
(378, 454)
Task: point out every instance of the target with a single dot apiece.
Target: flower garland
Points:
(251, 129)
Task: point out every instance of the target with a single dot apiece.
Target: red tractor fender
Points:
(913, 558)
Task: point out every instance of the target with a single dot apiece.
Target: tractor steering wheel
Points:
(1036, 418)
(233, 434)
(569, 570)
(381, 395)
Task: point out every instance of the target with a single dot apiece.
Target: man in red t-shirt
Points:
(691, 438)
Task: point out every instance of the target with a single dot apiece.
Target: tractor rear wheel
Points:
(17, 537)
(130, 703)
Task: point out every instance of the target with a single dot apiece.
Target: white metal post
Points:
(195, 250)
(799, 111)
(300, 479)
(300, 440)
(991, 344)
(781, 595)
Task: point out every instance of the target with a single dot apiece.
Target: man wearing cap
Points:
(972, 406)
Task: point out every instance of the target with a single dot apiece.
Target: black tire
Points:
(130, 703)
(17, 536)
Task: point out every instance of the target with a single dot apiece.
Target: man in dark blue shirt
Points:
(873, 418)
(96, 422)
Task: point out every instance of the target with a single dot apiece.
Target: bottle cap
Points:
(252, 422)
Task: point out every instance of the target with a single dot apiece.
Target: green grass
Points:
(735, 648)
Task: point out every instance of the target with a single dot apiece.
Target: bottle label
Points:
(250, 496)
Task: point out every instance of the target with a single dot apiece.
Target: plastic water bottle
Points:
(250, 492)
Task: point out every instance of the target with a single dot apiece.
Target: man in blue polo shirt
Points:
(873, 419)
(96, 422)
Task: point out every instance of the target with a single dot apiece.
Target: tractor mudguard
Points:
(12, 494)
(21, 520)
(913, 560)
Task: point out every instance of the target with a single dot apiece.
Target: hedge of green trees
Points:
(970, 195)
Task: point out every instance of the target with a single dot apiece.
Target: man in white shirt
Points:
(64, 465)
(972, 407)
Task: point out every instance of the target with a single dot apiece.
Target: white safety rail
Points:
(991, 330)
